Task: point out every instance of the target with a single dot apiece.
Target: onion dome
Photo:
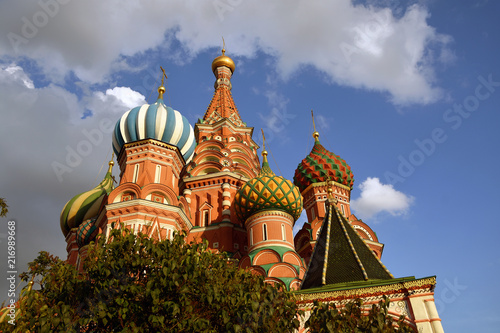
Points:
(223, 60)
(322, 165)
(86, 233)
(86, 205)
(267, 192)
(156, 121)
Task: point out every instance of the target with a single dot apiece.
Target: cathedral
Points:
(210, 182)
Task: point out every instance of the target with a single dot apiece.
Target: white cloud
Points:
(116, 100)
(16, 74)
(377, 198)
(354, 45)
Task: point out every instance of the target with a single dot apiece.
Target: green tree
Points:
(327, 318)
(4, 208)
(134, 284)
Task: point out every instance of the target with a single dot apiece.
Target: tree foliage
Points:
(4, 208)
(135, 284)
(352, 318)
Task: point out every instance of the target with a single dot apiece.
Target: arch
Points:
(282, 269)
(240, 161)
(275, 281)
(209, 158)
(115, 195)
(292, 258)
(245, 262)
(257, 270)
(265, 257)
(295, 284)
(158, 197)
(170, 195)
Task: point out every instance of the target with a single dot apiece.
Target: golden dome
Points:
(223, 60)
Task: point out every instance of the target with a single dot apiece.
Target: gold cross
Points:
(164, 75)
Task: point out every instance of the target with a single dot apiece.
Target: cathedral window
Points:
(136, 173)
(158, 174)
(283, 232)
(313, 214)
(342, 207)
(251, 237)
(205, 218)
(264, 231)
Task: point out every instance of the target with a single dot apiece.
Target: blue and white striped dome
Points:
(156, 121)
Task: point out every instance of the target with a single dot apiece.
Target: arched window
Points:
(283, 232)
(158, 174)
(136, 173)
(205, 218)
(264, 231)
(251, 237)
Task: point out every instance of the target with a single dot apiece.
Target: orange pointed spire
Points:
(222, 104)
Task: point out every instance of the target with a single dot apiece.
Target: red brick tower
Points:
(225, 158)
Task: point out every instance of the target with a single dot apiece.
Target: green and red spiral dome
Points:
(322, 165)
(267, 192)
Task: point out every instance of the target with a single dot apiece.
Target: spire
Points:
(341, 255)
(315, 133)
(266, 169)
(222, 104)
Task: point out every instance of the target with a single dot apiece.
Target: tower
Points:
(317, 172)
(152, 143)
(224, 159)
(269, 205)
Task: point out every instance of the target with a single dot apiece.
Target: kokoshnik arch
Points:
(208, 181)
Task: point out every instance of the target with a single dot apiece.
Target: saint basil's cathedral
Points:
(208, 181)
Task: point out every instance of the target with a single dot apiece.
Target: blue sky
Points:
(407, 92)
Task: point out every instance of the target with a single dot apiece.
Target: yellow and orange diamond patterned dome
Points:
(267, 192)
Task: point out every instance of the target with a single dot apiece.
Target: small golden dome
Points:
(223, 60)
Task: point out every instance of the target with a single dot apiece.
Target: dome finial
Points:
(315, 133)
(111, 163)
(223, 60)
(265, 169)
(264, 151)
(161, 88)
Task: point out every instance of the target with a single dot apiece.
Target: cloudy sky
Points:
(407, 92)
